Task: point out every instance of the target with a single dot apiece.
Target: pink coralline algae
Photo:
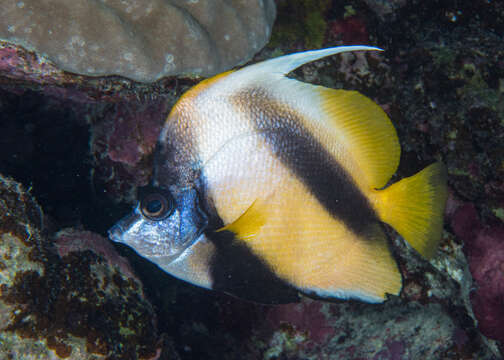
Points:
(394, 351)
(134, 131)
(123, 142)
(308, 317)
(484, 246)
(16, 63)
(350, 31)
(70, 241)
(22, 70)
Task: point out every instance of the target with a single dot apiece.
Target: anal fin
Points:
(364, 269)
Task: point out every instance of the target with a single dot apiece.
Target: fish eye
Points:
(156, 206)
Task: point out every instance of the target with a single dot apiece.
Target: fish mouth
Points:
(115, 233)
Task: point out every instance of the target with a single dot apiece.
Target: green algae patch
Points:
(303, 20)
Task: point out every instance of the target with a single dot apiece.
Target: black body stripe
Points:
(173, 155)
(236, 270)
(301, 152)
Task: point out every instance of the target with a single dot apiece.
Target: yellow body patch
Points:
(307, 247)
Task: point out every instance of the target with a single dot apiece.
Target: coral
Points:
(22, 70)
(71, 297)
(140, 40)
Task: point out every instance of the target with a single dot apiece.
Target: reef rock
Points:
(140, 40)
(484, 246)
(123, 139)
(70, 296)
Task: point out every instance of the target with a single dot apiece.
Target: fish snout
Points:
(115, 233)
(120, 231)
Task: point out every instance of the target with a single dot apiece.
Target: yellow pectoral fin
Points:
(249, 223)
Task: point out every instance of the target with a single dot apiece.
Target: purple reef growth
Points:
(484, 246)
(122, 141)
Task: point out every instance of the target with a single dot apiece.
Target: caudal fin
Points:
(414, 207)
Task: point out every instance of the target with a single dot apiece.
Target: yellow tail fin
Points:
(414, 207)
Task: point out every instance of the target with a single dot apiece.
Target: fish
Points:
(268, 188)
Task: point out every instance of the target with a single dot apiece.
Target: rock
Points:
(122, 141)
(484, 246)
(358, 331)
(386, 9)
(67, 296)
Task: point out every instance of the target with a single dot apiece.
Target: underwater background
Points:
(74, 146)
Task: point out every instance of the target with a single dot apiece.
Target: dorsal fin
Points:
(354, 120)
(287, 63)
(366, 131)
(266, 70)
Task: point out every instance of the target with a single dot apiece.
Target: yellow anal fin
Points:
(414, 207)
(366, 131)
(361, 268)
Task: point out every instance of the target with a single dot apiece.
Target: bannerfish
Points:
(266, 187)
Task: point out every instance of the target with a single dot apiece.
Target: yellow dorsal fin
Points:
(366, 131)
(249, 223)
(414, 207)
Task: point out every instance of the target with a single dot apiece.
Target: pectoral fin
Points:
(249, 223)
